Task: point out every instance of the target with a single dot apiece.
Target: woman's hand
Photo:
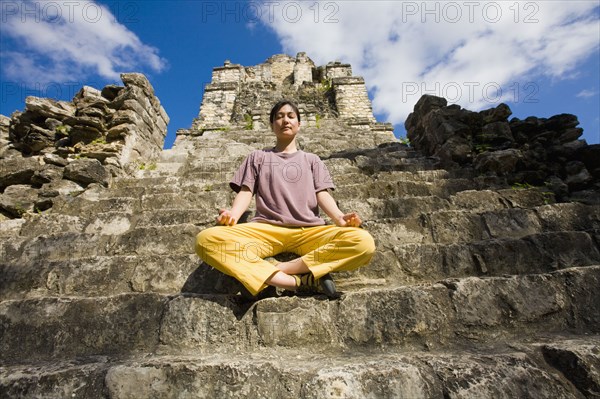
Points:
(349, 220)
(328, 205)
(225, 218)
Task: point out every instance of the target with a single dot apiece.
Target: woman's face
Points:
(285, 124)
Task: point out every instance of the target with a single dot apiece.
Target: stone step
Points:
(555, 366)
(103, 275)
(400, 252)
(341, 169)
(465, 216)
(221, 170)
(54, 328)
(204, 198)
(178, 154)
(207, 167)
(461, 226)
(75, 274)
(110, 222)
(52, 264)
(127, 182)
(89, 207)
(155, 240)
(374, 198)
(349, 185)
(159, 169)
(400, 263)
(307, 139)
(211, 198)
(432, 316)
(223, 161)
(390, 186)
(148, 186)
(466, 200)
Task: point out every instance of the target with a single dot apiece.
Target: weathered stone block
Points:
(501, 162)
(206, 324)
(512, 223)
(49, 108)
(413, 316)
(47, 174)
(61, 380)
(18, 170)
(500, 376)
(86, 171)
(498, 114)
(290, 322)
(63, 328)
(18, 199)
(579, 361)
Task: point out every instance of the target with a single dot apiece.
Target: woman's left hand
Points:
(349, 220)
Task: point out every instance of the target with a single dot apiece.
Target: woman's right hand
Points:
(225, 218)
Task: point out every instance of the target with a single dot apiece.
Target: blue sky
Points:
(540, 57)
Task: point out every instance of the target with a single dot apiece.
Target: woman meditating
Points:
(290, 186)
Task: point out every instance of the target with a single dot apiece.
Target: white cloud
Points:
(586, 93)
(70, 40)
(475, 54)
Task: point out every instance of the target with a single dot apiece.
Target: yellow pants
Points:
(239, 250)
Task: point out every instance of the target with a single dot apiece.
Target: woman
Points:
(290, 185)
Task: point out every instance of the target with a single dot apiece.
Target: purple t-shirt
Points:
(285, 186)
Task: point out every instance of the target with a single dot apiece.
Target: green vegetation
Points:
(318, 120)
(325, 85)
(404, 140)
(63, 130)
(99, 140)
(483, 144)
(249, 123)
(548, 196)
(521, 186)
(479, 148)
(151, 166)
(20, 210)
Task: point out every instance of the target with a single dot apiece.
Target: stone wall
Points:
(217, 105)
(303, 69)
(242, 96)
(4, 137)
(56, 148)
(352, 101)
(337, 70)
(228, 73)
(534, 151)
(282, 68)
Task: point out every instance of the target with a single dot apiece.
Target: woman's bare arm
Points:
(328, 205)
(229, 217)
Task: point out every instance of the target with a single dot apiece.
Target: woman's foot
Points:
(307, 283)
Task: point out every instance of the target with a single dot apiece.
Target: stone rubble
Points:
(100, 134)
(535, 151)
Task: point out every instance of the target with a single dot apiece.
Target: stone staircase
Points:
(478, 289)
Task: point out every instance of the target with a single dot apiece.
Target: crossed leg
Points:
(239, 251)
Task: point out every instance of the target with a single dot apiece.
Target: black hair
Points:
(280, 105)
